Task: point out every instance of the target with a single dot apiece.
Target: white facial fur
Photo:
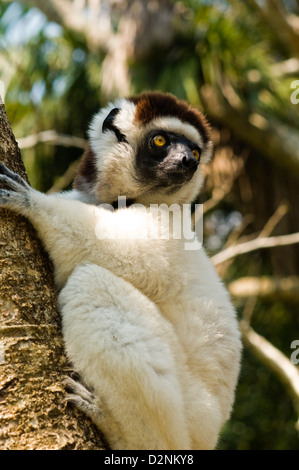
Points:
(115, 161)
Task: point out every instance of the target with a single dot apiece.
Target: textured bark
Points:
(33, 413)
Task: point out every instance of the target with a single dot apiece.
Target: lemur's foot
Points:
(14, 190)
(82, 398)
(6, 174)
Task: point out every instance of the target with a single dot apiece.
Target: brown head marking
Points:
(151, 105)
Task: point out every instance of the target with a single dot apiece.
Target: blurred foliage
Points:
(53, 81)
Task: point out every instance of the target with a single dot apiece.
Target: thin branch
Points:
(270, 225)
(268, 287)
(266, 231)
(225, 177)
(248, 310)
(256, 244)
(277, 362)
(287, 67)
(65, 180)
(216, 198)
(52, 137)
(238, 230)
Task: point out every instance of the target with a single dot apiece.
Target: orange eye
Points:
(159, 140)
(196, 154)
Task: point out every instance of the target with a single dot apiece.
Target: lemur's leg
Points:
(124, 351)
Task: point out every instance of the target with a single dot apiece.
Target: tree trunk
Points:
(33, 413)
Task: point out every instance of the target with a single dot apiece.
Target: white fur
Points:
(147, 324)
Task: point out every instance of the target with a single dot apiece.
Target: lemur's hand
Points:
(14, 191)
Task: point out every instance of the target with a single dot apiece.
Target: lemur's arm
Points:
(74, 233)
(76, 195)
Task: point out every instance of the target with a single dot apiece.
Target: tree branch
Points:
(277, 362)
(52, 137)
(270, 225)
(256, 244)
(66, 179)
(226, 178)
(266, 287)
(287, 67)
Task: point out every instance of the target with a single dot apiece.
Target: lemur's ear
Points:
(108, 122)
(87, 175)
(108, 125)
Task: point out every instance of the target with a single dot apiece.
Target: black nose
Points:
(189, 162)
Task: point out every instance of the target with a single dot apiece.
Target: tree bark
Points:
(33, 413)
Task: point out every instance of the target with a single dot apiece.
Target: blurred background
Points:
(60, 60)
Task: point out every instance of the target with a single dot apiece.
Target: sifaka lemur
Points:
(147, 324)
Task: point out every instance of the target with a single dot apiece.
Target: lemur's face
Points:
(147, 148)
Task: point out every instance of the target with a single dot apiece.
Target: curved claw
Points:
(7, 182)
(7, 174)
(14, 191)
